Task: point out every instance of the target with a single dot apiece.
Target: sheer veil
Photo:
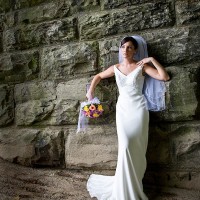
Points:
(153, 89)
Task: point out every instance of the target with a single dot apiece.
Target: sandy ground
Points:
(20, 183)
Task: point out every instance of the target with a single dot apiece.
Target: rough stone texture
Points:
(98, 145)
(18, 4)
(107, 4)
(25, 64)
(169, 46)
(175, 45)
(187, 12)
(28, 36)
(32, 147)
(6, 105)
(125, 20)
(34, 102)
(41, 13)
(68, 61)
(181, 99)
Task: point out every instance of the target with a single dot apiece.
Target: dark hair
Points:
(127, 39)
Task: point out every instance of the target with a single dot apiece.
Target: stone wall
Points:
(49, 50)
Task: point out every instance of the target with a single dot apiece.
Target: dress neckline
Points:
(128, 73)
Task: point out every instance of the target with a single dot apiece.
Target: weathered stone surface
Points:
(18, 4)
(98, 146)
(109, 50)
(179, 146)
(73, 89)
(28, 36)
(125, 20)
(185, 143)
(35, 91)
(175, 45)
(82, 5)
(187, 11)
(34, 102)
(5, 6)
(25, 64)
(66, 111)
(158, 151)
(62, 62)
(1, 42)
(6, 105)
(32, 147)
(41, 13)
(173, 179)
(107, 4)
(181, 99)
(33, 111)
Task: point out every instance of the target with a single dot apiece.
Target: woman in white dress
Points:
(132, 120)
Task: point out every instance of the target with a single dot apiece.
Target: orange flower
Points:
(92, 107)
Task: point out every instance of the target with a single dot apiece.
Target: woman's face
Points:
(128, 50)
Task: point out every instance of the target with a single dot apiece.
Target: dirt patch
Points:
(21, 183)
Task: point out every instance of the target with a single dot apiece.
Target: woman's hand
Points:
(144, 61)
(158, 72)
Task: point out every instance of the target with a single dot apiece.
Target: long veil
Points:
(153, 89)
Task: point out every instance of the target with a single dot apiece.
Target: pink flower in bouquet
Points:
(92, 107)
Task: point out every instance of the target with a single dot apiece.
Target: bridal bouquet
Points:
(92, 108)
(88, 109)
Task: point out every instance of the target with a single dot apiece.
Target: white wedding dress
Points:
(132, 119)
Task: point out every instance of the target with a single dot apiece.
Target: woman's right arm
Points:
(102, 75)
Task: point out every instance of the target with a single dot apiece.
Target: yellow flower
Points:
(95, 115)
(100, 108)
(85, 108)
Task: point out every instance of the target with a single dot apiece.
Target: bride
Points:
(132, 120)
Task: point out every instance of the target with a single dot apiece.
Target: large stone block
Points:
(175, 45)
(41, 13)
(109, 50)
(125, 20)
(158, 151)
(28, 36)
(81, 5)
(6, 105)
(35, 91)
(32, 147)
(34, 102)
(181, 96)
(96, 148)
(174, 146)
(1, 42)
(169, 46)
(73, 89)
(33, 111)
(174, 179)
(187, 12)
(185, 145)
(19, 67)
(18, 4)
(5, 6)
(62, 62)
(107, 4)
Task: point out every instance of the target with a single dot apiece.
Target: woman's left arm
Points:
(158, 72)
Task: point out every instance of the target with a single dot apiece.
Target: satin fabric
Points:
(132, 119)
